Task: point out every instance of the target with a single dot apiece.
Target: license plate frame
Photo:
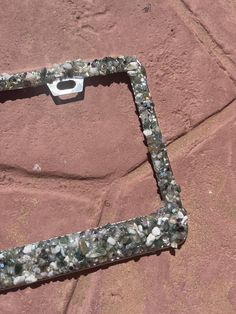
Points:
(165, 228)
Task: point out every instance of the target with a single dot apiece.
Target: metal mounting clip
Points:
(66, 86)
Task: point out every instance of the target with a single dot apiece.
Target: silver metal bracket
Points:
(66, 86)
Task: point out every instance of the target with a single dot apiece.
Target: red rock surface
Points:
(92, 159)
(219, 21)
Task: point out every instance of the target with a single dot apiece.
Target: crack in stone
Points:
(178, 137)
(214, 49)
(137, 167)
(201, 122)
(205, 29)
(134, 168)
(51, 174)
(198, 21)
(131, 171)
(70, 297)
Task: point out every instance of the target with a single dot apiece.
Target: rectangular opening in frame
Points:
(161, 229)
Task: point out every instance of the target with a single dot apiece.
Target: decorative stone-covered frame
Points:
(162, 229)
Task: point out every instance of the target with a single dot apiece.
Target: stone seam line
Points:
(205, 121)
(202, 34)
(66, 177)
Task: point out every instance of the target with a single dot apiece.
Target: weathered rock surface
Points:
(68, 167)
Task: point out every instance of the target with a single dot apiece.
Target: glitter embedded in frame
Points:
(164, 228)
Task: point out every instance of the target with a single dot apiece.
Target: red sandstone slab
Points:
(186, 83)
(218, 18)
(29, 215)
(33, 209)
(49, 298)
(92, 139)
(83, 139)
(201, 277)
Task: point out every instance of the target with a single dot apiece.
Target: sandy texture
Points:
(92, 158)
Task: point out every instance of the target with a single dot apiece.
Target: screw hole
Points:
(66, 85)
